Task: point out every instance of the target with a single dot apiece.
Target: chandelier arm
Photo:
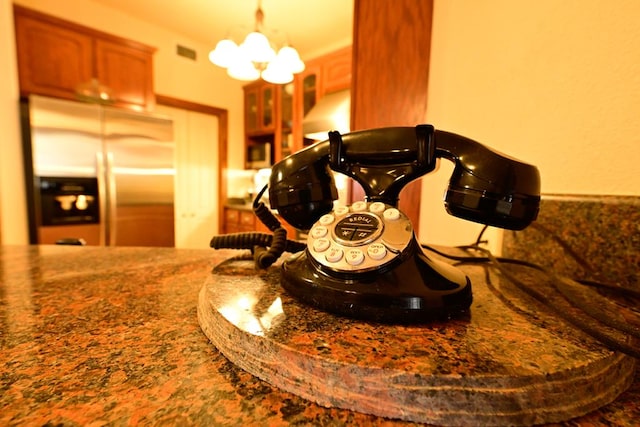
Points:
(259, 17)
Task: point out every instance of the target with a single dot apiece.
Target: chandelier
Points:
(255, 57)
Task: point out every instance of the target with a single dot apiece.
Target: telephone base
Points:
(418, 290)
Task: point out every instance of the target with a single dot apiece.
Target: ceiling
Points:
(311, 25)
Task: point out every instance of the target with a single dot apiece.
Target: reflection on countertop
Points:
(93, 335)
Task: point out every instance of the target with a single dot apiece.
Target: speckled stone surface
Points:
(110, 336)
(509, 362)
(602, 230)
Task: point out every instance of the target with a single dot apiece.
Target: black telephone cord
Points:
(562, 285)
(266, 248)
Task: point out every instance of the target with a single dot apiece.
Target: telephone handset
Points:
(364, 260)
(486, 186)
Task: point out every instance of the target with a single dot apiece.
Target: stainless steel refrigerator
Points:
(97, 174)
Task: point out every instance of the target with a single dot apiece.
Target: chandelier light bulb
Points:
(277, 72)
(243, 69)
(289, 56)
(256, 46)
(224, 53)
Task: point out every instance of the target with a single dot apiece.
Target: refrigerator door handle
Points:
(111, 200)
(102, 197)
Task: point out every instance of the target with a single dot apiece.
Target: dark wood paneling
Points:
(391, 47)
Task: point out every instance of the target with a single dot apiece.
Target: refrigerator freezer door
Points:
(62, 142)
(140, 167)
(65, 136)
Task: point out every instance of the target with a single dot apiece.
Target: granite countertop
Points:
(95, 336)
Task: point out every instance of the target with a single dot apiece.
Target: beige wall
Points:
(554, 83)
(174, 76)
(13, 217)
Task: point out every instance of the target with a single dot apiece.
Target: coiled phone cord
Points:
(266, 248)
(606, 329)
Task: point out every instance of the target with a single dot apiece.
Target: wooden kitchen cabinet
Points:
(260, 111)
(260, 108)
(285, 143)
(325, 74)
(56, 56)
(308, 85)
(273, 113)
(239, 220)
(268, 118)
(336, 71)
(51, 60)
(128, 71)
(292, 233)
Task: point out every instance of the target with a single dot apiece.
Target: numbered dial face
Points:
(361, 237)
(357, 229)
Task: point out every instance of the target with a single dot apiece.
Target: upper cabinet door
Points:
(52, 60)
(57, 57)
(336, 71)
(250, 110)
(127, 71)
(268, 100)
(322, 75)
(260, 104)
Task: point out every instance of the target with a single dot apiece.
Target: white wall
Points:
(553, 83)
(174, 76)
(13, 216)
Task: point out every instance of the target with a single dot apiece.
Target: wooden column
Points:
(391, 46)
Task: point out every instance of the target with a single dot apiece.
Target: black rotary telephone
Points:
(364, 260)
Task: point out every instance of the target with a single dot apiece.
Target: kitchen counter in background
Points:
(241, 218)
(98, 336)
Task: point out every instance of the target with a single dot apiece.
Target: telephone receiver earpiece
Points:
(301, 186)
(486, 186)
(382, 161)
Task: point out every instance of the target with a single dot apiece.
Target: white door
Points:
(196, 179)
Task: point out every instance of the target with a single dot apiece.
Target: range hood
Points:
(332, 112)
